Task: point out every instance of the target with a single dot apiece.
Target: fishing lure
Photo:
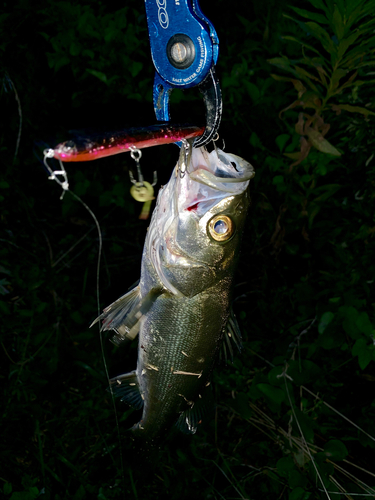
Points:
(92, 146)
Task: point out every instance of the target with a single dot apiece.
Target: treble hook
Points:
(136, 155)
(215, 139)
(183, 160)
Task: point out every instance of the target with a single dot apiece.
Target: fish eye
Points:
(221, 228)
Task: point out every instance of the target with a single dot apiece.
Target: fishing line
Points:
(64, 183)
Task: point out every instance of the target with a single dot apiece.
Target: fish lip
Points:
(218, 172)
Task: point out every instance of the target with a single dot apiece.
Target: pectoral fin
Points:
(126, 387)
(232, 337)
(124, 315)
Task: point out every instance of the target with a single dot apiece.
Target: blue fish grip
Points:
(184, 48)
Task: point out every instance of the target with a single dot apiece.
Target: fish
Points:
(181, 307)
(88, 146)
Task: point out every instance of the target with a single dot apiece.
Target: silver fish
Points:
(181, 306)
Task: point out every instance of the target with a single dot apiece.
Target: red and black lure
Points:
(88, 147)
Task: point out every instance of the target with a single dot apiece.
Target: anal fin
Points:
(189, 420)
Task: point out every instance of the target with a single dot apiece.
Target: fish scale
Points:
(181, 307)
(176, 315)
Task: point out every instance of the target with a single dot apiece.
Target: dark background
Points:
(304, 287)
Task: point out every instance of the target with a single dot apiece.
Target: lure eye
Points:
(221, 228)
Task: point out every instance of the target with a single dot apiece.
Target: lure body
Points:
(88, 147)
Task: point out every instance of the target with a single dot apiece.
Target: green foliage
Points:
(92, 45)
(337, 44)
(299, 399)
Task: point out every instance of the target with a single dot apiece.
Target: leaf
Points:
(328, 191)
(281, 140)
(281, 62)
(249, 27)
(320, 34)
(354, 58)
(364, 324)
(320, 143)
(336, 77)
(75, 49)
(278, 179)
(299, 494)
(255, 141)
(90, 370)
(319, 4)
(363, 64)
(355, 109)
(359, 346)
(3, 283)
(322, 74)
(335, 450)
(57, 61)
(31, 494)
(311, 100)
(306, 424)
(135, 68)
(285, 465)
(363, 351)
(276, 395)
(281, 78)
(301, 24)
(349, 82)
(319, 18)
(349, 323)
(310, 370)
(7, 488)
(302, 72)
(252, 90)
(297, 479)
(88, 53)
(293, 156)
(102, 77)
(241, 405)
(337, 23)
(346, 43)
(314, 209)
(274, 376)
(4, 308)
(325, 320)
(310, 47)
(298, 85)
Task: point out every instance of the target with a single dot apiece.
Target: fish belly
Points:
(179, 343)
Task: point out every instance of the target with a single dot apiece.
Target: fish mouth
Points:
(210, 178)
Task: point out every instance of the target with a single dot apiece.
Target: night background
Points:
(297, 79)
